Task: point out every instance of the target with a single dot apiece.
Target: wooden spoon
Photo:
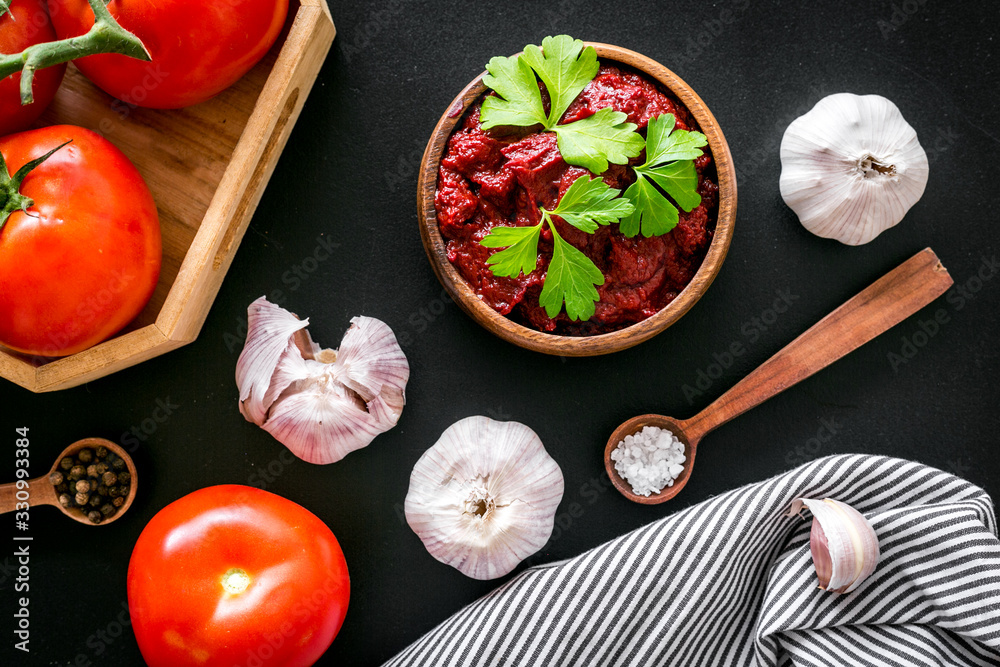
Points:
(885, 303)
(41, 492)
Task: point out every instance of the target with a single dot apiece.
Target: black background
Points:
(348, 176)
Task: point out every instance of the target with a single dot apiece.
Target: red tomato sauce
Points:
(500, 177)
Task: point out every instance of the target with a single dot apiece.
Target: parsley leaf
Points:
(520, 101)
(571, 278)
(571, 275)
(669, 164)
(588, 203)
(563, 69)
(595, 141)
(520, 256)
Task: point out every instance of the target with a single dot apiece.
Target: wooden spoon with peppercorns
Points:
(101, 461)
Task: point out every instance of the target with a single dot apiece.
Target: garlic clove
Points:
(371, 362)
(322, 404)
(843, 544)
(269, 328)
(322, 422)
(484, 497)
(851, 167)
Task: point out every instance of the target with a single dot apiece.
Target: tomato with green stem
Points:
(233, 575)
(24, 24)
(80, 245)
(198, 48)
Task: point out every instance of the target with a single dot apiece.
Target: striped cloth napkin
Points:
(730, 581)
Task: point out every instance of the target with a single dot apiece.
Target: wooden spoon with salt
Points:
(888, 301)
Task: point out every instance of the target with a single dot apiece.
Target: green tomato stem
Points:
(4, 6)
(106, 36)
(10, 199)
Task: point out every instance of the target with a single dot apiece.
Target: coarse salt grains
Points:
(649, 460)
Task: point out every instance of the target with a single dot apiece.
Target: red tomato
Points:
(26, 23)
(199, 47)
(232, 575)
(84, 259)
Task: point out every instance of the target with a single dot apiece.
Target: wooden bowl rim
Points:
(555, 344)
(76, 513)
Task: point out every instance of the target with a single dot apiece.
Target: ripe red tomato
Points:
(84, 259)
(233, 575)
(199, 48)
(26, 23)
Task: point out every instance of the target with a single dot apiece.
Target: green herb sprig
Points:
(571, 277)
(667, 177)
(565, 67)
(670, 156)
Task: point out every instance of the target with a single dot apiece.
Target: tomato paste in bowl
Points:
(488, 178)
(473, 181)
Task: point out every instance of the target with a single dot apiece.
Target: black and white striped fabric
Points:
(730, 581)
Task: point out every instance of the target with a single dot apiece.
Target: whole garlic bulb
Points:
(321, 404)
(851, 167)
(484, 497)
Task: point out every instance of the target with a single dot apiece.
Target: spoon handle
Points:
(39, 492)
(886, 302)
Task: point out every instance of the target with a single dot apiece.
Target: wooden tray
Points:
(207, 167)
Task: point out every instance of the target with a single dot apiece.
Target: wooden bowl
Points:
(580, 346)
(207, 166)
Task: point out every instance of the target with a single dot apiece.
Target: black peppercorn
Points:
(92, 471)
(82, 498)
(108, 509)
(95, 516)
(83, 486)
(109, 479)
(65, 500)
(62, 488)
(103, 490)
(122, 490)
(77, 472)
(124, 477)
(118, 464)
(85, 456)
(102, 452)
(56, 478)
(101, 468)
(118, 502)
(95, 501)
(66, 463)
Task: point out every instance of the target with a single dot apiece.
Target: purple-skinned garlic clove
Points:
(842, 542)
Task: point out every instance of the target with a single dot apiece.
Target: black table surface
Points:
(346, 183)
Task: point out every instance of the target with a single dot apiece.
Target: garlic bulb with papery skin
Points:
(843, 544)
(851, 167)
(321, 404)
(484, 497)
